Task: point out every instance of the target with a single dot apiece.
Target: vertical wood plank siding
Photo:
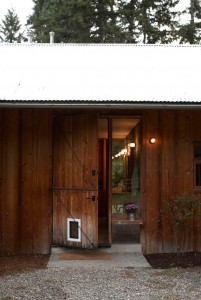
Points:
(166, 174)
(26, 175)
(43, 195)
(167, 170)
(10, 233)
(151, 192)
(28, 181)
(196, 136)
(1, 180)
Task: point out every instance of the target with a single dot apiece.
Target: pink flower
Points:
(130, 207)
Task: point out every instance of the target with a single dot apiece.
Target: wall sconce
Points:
(152, 140)
(132, 145)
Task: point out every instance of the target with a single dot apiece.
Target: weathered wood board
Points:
(75, 178)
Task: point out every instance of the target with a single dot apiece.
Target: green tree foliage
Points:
(10, 28)
(76, 21)
(106, 27)
(149, 21)
(112, 21)
(157, 20)
(189, 32)
(129, 21)
(71, 20)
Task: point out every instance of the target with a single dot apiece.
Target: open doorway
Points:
(119, 179)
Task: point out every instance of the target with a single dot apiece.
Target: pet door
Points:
(73, 230)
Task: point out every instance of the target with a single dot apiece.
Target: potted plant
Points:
(131, 209)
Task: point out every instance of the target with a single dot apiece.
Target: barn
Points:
(87, 128)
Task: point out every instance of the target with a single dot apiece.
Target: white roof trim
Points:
(100, 72)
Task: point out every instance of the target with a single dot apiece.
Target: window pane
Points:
(198, 174)
(197, 164)
(197, 150)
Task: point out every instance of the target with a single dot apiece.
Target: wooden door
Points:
(75, 184)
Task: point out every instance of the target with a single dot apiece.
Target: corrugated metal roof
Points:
(100, 72)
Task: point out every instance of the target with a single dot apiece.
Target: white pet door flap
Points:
(73, 230)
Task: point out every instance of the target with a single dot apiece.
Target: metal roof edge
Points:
(98, 45)
(99, 105)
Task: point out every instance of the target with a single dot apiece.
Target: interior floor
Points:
(121, 233)
(126, 233)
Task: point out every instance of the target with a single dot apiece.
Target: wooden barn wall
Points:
(26, 177)
(196, 136)
(1, 179)
(25, 181)
(167, 170)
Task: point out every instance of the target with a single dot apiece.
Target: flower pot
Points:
(131, 216)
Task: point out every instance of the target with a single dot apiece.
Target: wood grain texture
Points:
(184, 154)
(75, 153)
(10, 184)
(151, 203)
(166, 171)
(196, 137)
(26, 177)
(43, 182)
(36, 203)
(166, 175)
(27, 181)
(1, 178)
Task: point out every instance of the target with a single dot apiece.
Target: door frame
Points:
(110, 118)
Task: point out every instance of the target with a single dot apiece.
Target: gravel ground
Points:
(117, 278)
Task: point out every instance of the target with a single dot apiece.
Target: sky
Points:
(23, 8)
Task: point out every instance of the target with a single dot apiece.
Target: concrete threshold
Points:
(115, 248)
(122, 255)
(123, 248)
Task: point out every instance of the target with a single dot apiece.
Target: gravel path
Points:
(117, 278)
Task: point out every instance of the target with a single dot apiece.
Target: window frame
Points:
(196, 161)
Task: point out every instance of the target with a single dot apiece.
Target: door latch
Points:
(93, 198)
(93, 172)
